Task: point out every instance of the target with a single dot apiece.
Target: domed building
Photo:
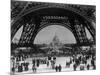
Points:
(56, 44)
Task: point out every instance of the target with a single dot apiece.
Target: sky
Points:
(17, 35)
(47, 34)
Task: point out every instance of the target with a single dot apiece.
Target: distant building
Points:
(55, 44)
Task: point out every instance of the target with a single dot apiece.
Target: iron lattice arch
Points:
(35, 16)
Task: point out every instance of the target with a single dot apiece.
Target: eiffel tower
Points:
(34, 16)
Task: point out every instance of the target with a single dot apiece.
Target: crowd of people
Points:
(82, 62)
(78, 61)
(19, 63)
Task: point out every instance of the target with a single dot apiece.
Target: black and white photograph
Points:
(52, 37)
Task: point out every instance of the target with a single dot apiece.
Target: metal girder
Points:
(79, 35)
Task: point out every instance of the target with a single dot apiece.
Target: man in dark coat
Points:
(56, 68)
(74, 66)
(38, 62)
(34, 68)
(88, 67)
(59, 68)
(20, 68)
(47, 63)
(26, 66)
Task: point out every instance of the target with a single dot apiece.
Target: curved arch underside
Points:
(34, 20)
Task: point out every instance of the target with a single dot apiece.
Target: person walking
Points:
(34, 68)
(88, 67)
(74, 66)
(59, 68)
(47, 63)
(56, 68)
